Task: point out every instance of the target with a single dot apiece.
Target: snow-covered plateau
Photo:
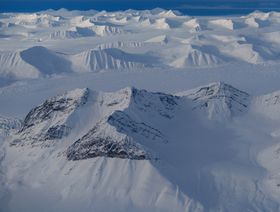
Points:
(145, 111)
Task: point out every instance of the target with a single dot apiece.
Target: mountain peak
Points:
(217, 88)
(220, 100)
(50, 120)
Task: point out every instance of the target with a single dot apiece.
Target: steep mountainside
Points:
(94, 142)
(131, 144)
(219, 100)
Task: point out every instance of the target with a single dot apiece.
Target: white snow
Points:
(139, 111)
(207, 41)
(193, 24)
(226, 23)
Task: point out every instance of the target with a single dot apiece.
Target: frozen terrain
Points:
(51, 43)
(139, 111)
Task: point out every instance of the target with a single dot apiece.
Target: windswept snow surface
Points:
(139, 111)
(50, 43)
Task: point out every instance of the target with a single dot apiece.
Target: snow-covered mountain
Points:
(95, 142)
(84, 31)
(33, 62)
(52, 41)
(38, 61)
(193, 56)
(109, 58)
(113, 126)
(49, 121)
(128, 145)
(219, 100)
(122, 122)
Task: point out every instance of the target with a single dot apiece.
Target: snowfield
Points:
(139, 111)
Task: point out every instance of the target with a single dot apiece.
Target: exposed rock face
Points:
(160, 103)
(105, 142)
(118, 131)
(220, 101)
(127, 125)
(57, 132)
(49, 121)
(116, 135)
(123, 124)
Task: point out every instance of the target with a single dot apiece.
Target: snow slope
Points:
(39, 61)
(75, 142)
(221, 101)
(190, 41)
(202, 133)
(109, 58)
(33, 62)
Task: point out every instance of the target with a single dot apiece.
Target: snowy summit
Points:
(139, 110)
